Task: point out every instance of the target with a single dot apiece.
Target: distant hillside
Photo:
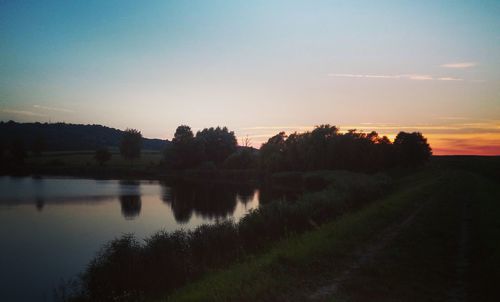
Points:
(69, 137)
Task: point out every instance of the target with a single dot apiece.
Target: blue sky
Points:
(255, 66)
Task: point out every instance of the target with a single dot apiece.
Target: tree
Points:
(246, 141)
(38, 145)
(130, 147)
(217, 144)
(245, 158)
(17, 151)
(412, 149)
(185, 151)
(272, 157)
(102, 155)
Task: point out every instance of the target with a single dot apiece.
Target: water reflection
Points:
(130, 198)
(66, 220)
(131, 206)
(39, 203)
(210, 201)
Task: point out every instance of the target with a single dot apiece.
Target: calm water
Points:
(50, 228)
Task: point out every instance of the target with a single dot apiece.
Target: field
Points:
(83, 164)
(86, 158)
(433, 238)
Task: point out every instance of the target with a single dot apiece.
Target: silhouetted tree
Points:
(246, 142)
(412, 148)
(38, 145)
(272, 157)
(326, 148)
(185, 151)
(245, 158)
(217, 143)
(102, 155)
(17, 151)
(130, 147)
(2, 151)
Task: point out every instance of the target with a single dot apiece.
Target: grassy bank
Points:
(150, 165)
(129, 270)
(448, 250)
(303, 261)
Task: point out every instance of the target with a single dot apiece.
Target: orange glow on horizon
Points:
(454, 139)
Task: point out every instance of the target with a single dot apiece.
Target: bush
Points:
(113, 273)
(214, 245)
(127, 270)
(166, 260)
(242, 159)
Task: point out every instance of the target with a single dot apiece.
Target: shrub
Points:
(214, 245)
(127, 270)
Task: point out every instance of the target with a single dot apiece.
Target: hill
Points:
(69, 137)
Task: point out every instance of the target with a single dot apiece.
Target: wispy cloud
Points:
(459, 65)
(282, 128)
(53, 108)
(21, 112)
(414, 77)
(449, 79)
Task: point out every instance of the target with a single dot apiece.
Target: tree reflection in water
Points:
(209, 200)
(130, 198)
(39, 203)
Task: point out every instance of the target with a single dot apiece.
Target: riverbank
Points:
(432, 238)
(187, 255)
(149, 166)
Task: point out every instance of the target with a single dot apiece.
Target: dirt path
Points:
(365, 255)
(458, 293)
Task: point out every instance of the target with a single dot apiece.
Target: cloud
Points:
(418, 77)
(369, 76)
(453, 118)
(282, 128)
(53, 109)
(449, 79)
(414, 77)
(21, 112)
(459, 65)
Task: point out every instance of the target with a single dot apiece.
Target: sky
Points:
(258, 67)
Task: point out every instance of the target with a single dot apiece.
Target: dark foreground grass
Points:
(450, 253)
(484, 273)
(298, 264)
(426, 260)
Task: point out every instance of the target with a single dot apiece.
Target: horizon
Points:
(258, 68)
(303, 129)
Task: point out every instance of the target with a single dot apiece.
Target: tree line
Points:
(323, 148)
(327, 148)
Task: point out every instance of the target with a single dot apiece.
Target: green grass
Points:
(299, 263)
(450, 251)
(420, 264)
(484, 276)
(86, 158)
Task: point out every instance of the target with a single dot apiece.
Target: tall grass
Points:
(126, 270)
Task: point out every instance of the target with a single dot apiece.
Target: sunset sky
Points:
(258, 67)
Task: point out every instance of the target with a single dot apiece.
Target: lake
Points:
(51, 227)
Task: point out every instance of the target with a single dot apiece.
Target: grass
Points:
(303, 261)
(420, 264)
(485, 254)
(128, 270)
(86, 158)
(450, 251)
